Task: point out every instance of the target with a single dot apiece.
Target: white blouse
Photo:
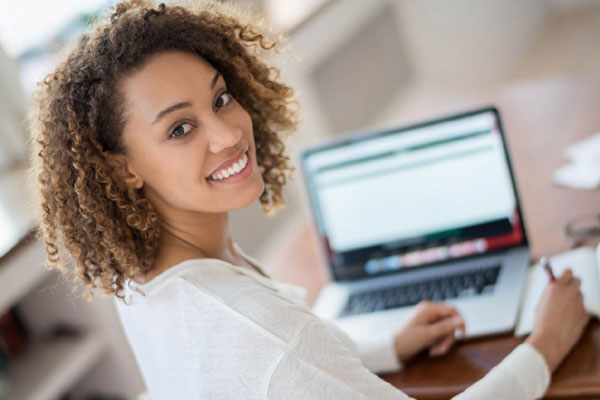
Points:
(207, 329)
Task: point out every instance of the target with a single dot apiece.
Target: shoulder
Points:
(202, 273)
(207, 287)
(202, 337)
(261, 302)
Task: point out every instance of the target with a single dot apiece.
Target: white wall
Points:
(13, 107)
(469, 42)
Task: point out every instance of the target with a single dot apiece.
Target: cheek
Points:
(177, 182)
(245, 121)
(174, 168)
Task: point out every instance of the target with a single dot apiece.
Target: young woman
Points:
(155, 126)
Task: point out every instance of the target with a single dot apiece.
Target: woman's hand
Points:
(429, 325)
(559, 319)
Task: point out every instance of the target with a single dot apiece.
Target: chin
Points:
(258, 190)
(250, 194)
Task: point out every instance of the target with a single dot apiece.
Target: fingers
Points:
(445, 327)
(566, 276)
(575, 287)
(431, 312)
(569, 280)
(442, 346)
(462, 329)
(574, 284)
(438, 320)
(582, 322)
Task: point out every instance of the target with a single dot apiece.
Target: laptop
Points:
(422, 212)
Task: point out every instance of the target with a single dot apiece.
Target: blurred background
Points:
(357, 64)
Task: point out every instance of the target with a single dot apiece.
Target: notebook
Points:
(427, 211)
(584, 262)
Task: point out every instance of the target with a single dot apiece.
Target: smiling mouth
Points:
(235, 168)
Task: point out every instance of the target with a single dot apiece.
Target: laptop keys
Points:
(471, 283)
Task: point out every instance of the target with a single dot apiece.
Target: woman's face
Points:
(189, 143)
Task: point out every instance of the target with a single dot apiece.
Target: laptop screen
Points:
(414, 196)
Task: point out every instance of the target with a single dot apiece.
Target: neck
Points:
(187, 234)
(209, 234)
(190, 232)
(186, 238)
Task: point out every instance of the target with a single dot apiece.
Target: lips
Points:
(229, 162)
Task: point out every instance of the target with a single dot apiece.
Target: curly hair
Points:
(111, 232)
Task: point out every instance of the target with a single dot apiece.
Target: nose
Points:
(221, 134)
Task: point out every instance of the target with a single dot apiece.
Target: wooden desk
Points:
(540, 119)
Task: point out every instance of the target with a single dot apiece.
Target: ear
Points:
(122, 171)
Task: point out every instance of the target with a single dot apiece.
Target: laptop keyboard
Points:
(473, 282)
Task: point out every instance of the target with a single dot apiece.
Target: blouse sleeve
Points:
(377, 352)
(319, 364)
(522, 375)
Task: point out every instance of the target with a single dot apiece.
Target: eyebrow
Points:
(172, 108)
(214, 81)
(183, 104)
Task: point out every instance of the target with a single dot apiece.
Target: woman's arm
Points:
(522, 375)
(430, 325)
(320, 363)
(377, 353)
(525, 373)
(559, 320)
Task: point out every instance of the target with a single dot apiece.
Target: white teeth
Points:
(234, 169)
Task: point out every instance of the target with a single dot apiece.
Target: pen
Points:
(544, 261)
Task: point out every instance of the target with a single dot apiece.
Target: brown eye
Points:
(180, 130)
(223, 99)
